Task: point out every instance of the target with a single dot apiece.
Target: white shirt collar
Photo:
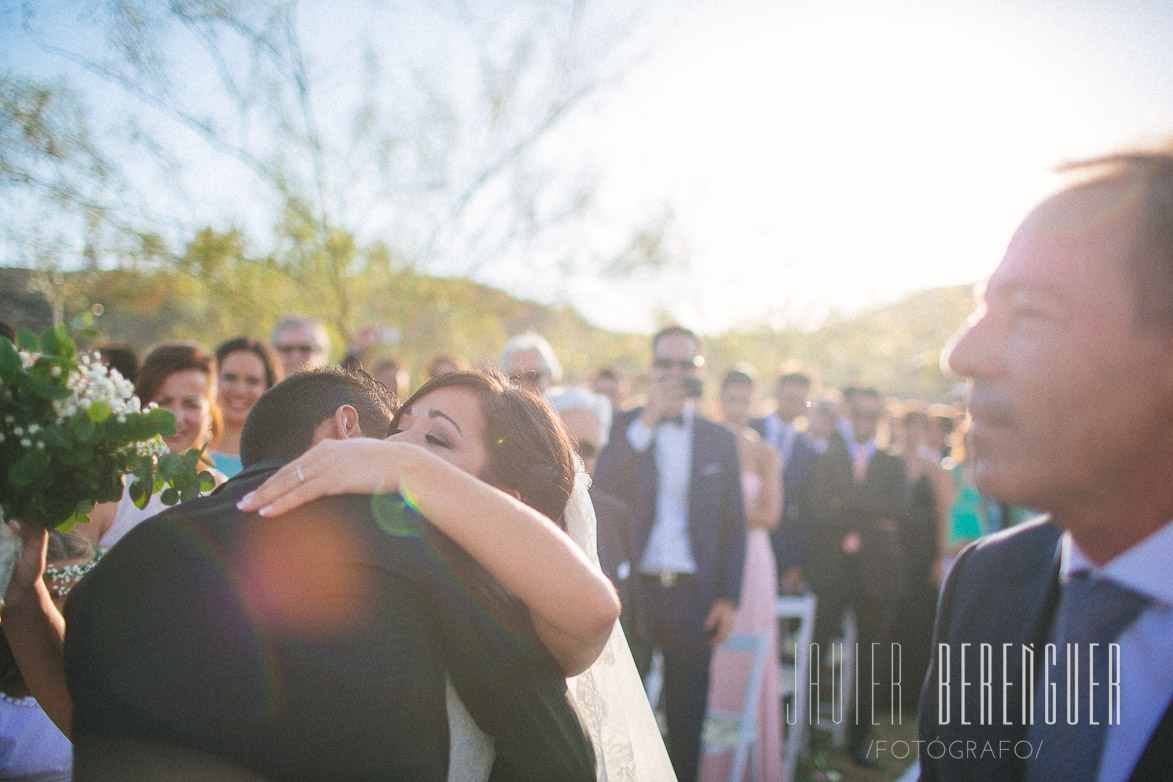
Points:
(1143, 568)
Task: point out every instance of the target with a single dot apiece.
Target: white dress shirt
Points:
(668, 546)
(1146, 665)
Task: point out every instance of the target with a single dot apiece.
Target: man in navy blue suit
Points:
(680, 474)
(791, 538)
(1071, 361)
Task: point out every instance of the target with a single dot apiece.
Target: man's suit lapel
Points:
(696, 463)
(647, 480)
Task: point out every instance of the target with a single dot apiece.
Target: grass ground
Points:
(826, 764)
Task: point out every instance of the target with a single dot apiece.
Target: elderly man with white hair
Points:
(529, 361)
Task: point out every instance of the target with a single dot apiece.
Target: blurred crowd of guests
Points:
(709, 505)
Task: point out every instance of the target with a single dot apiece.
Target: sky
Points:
(818, 157)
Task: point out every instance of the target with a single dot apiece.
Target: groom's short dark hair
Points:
(282, 422)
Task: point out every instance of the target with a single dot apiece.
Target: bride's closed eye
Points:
(438, 441)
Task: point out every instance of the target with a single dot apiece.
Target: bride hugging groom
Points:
(304, 622)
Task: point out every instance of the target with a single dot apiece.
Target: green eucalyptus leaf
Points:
(99, 411)
(50, 390)
(56, 436)
(56, 341)
(138, 494)
(9, 359)
(28, 468)
(169, 496)
(84, 428)
(163, 422)
(77, 456)
(207, 482)
(27, 341)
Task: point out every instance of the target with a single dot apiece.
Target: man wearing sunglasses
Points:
(301, 343)
(680, 474)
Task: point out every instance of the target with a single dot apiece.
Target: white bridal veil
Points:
(609, 696)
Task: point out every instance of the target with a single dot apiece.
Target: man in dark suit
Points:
(212, 643)
(791, 538)
(857, 505)
(1071, 362)
(680, 474)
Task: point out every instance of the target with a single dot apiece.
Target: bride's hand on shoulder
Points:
(332, 467)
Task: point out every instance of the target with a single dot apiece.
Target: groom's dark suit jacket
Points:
(209, 643)
(1003, 589)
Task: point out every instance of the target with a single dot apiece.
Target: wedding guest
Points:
(443, 364)
(761, 487)
(1068, 357)
(179, 377)
(247, 369)
(783, 431)
(587, 417)
(679, 472)
(392, 373)
(858, 502)
(529, 361)
(124, 358)
(821, 422)
(372, 351)
(31, 746)
(302, 343)
(930, 492)
(608, 382)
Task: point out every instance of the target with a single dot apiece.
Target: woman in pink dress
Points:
(762, 488)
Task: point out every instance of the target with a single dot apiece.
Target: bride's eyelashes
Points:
(440, 442)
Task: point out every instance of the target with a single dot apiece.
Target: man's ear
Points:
(346, 423)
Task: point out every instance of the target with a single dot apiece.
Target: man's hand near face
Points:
(665, 397)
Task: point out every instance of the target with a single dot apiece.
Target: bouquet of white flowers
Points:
(71, 428)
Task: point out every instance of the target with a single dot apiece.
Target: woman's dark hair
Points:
(260, 349)
(170, 357)
(740, 375)
(124, 358)
(529, 451)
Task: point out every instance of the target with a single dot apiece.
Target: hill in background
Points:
(896, 347)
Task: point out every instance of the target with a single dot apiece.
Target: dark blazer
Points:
(613, 517)
(792, 537)
(716, 513)
(305, 647)
(1002, 589)
(839, 506)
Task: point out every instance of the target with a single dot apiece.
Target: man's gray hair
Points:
(531, 340)
(570, 398)
(297, 321)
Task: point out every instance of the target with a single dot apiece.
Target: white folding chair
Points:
(796, 628)
(739, 730)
